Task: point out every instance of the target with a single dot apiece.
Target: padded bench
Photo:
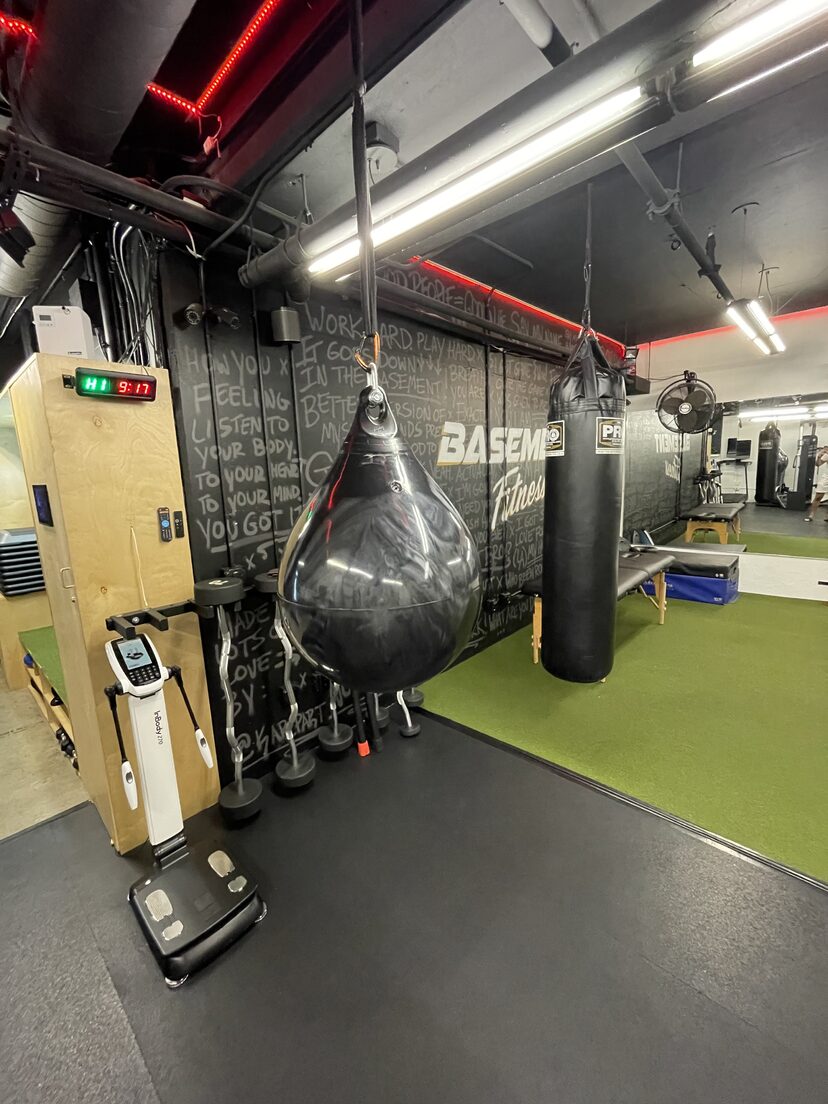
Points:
(635, 568)
(714, 516)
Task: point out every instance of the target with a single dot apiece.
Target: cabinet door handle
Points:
(63, 583)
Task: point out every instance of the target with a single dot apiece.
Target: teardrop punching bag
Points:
(380, 580)
(582, 517)
(767, 464)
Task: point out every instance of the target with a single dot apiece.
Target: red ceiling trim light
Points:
(248, 34)
(504, 297)
(690, 336)
(172, 98)
(16, 26)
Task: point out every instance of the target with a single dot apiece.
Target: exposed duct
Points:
(45, 222)
(84, 77)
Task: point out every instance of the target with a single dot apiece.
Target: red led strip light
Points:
(16, 26)
(247, 36)
(20, 26)
(172, 98)
(547, 316)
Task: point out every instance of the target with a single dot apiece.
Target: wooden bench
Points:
(718, 517)
(635, 568)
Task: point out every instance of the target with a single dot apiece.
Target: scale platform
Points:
(194, 907)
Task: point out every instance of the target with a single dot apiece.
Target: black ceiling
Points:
(774, 153)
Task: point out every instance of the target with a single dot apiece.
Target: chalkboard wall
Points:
(659, 473)
(258, 436)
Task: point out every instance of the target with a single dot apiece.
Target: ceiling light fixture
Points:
(766, 327)
(748, 81)
(779, 36)
(752, 319)
(735, 315)
(508, 165)
(769, 24)
(759, 313)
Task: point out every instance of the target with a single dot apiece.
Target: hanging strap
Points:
(586, 316)
(586, 313)
(367, 261)
(587, 347)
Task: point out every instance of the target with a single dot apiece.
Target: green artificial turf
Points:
(41, 645)
(718, 716)
(773, 544)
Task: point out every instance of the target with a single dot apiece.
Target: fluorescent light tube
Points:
(758, 312)
(506, 166)
(735, 315)
(760, 343)
(784, 418)
(774, 21)
(777, 342)
(748, 81)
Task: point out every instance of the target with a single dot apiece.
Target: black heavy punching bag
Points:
(767, 464)
(379, 584)
(582, 517)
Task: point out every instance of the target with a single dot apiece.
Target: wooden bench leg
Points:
(536, 628)
(721, 529)
(688, 532)
(660, 586)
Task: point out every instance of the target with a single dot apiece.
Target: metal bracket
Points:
(673, 202)
(127, 623)
(223, 316)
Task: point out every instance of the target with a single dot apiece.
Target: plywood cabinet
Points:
(108, 465)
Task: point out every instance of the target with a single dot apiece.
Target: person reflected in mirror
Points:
(821, 483)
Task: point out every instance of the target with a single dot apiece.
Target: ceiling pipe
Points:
(662, 202)
(665, 204)
(73, 199)
(83, 78)
(648, 44)
(414, 304)
(540, 28)
(76, 171)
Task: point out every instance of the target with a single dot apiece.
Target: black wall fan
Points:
(686, 406)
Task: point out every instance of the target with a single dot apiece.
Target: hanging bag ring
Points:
(369, 361)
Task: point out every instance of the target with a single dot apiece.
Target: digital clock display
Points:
(114, 385)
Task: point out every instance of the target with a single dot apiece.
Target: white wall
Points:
(735, 368)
